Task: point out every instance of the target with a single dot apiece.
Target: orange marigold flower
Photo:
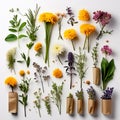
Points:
(87, 29)
(48, 17)
(57, 73)
(37, 47)
(11, 81)
(21, 72)
(70, 34)
(84, 15)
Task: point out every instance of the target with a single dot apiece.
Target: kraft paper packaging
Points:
(96, 76)
(13, 102)
(80, 106)
(69, 105)
(91, 106)
(106, 106)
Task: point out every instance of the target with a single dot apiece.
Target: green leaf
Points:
(23, 56)
(30, 45)
(22, 26)
(21, 36)
(28, 61)
(13, 30)
(11, 37)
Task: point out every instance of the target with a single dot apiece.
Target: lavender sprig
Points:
(70, 67)
(71, 19)
(107, 94)
(91, 93)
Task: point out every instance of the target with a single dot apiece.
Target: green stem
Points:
(101, 33)
(41, 83)
(39, 112)
(59, 25)
(59, 59)
(73, 45)
(88, 46)
(25, 110)
(85, 42)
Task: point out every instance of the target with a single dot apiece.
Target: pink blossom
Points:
(106, 50)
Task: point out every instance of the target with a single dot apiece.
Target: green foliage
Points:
(70, 95)
(47, 104)
(31, 23)
(108, 69)
(16, 26)
(79, 94)
(29, 46)
(24, 87)
(56, 93)
(95, 55)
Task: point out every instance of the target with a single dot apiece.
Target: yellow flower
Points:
(70, 34)
(28, 72)
(57, 73)
(87, 29)
(21, 72)
(37, 47)
(48, 17)
(84, 15)
(11, 81)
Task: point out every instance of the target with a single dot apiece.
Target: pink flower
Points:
(106, 50)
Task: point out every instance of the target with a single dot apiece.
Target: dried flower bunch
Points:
(70, 67)
(84, 15)
(56, 94)
(37, 101)
(107, 94)
(41, 74)
(57, 73)
(103, 18)
(11, 81)
(95, 55)
(10, 57)
(70, 34)
(24, 88)
(71, 19)
(47, 104)
(91, 93)
(58, 50)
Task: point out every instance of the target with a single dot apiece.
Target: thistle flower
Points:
(58, 50)
(10, 56)
(84, 15)
(103, 18)
(70, 67)
(107, 94)
(106, 50)
(91, 93)
(70, 34)
(57, 73)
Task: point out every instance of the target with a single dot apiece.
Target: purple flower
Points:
(107, 94)
(91, 92)
(106, 50)
(70, 58)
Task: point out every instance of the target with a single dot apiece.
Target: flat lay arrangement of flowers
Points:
(50, 65)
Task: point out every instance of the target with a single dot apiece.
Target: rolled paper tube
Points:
(80, 106)
(91, 106)
(70, 105)
(96, 75)
(13, 102)
(106, 106)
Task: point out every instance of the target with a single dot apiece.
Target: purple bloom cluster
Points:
(102, 17)
(91, 92)
(70, 58)
(107, 94)
(106, 50)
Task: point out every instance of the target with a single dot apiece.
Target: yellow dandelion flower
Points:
(21, 72)
(37, 47)
(70, 34)
(87, 29)
(57, 73)
(48, 17)
(84, 15)
(11, 81)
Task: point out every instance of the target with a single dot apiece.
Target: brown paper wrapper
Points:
(91, 106)
(70, 105)
(106, 106)
(96, 75)
(13, 102)
(80, 106)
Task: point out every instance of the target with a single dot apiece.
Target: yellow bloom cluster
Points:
(11, 81)
(87, 29)
(21, 72)
(70, 34)
(37, 47)
(48, 17)
(84, 15)
(57, 73)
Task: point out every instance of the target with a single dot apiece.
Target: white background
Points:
(59, 6)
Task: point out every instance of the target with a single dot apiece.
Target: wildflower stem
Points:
(39, 112)
(73, 45)
(25, 110)
(42, 83)
(101, 33)
(59, 59)
(70, 78)
(85, 42)
(88, 47)
(59, 27)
